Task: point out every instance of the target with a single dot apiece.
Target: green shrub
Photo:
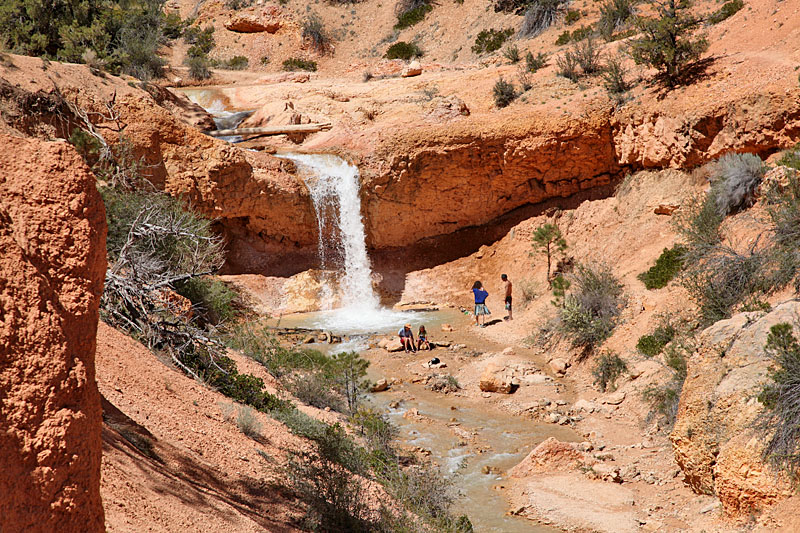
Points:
(698, 222)
(791, 158)
(614, 76)
(504, 93)
(174, 26)
(608, 367)
(491, 40)
(314, 33)
(548, 240)
(652, 345)
(201, 40)
(592, 307)
(213, 301)
(667, 43)
(668, 265)
(235, 63)
(534, 63)
(411, 12)
(323, 478)
(403, 50)
(614, 14)
(238, 4)
(783, 212)
(781, 399)
(563, 38)
(727, 10)
(512, 54)
(568, 66)
(581, 33)
(297, 63)
(540, 15)
(199, 67)
(724, 278)
(572, 16)
(587, 55)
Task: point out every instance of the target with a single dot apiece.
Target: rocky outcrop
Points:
(266, 19)
(52, 264)
(714, 439)
(434, 180)
(670, 136)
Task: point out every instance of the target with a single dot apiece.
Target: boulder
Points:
(268, 20)
(607, 472)
(379, 386)
(391, 344)
(584, 405)
(559, 366)
(497, 379)
(412, 69)
(615, 398)
(52, 267)
(550, 455)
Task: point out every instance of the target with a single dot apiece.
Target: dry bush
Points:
(592, 307)
(540, 15)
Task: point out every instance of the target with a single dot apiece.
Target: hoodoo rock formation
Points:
(52, 265)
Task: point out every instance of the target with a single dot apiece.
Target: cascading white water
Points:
(334, 187)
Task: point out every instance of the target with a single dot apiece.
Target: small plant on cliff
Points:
(560, 286)
(491, 40)
(614, 14)
(668, 265)
(614, 73)
(235, 63)
(791, 158)
(534, 63)
(568, 66)
(410, 12)
(548, 240)
(608, 367)
(667, 43)
(652, 345)
(296, 63)
(512, 54)
(781, 398)
(587, 55)
(504, 93)
(541, 14)
(735, 178)
(315, 35)
(247, 422)
(783, 210)
(403, 50)
(592, 307)
(727, 10)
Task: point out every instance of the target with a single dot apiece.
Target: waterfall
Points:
(334, 187)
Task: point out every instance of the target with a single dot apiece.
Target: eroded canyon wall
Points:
(52, 265)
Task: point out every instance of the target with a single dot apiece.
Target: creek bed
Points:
(509, 438)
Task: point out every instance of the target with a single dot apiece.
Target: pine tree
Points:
(547, 239)
(667, 43)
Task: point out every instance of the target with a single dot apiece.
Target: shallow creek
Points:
(465, 436)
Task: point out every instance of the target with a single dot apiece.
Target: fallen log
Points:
(273, 130)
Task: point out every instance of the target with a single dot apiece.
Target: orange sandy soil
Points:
(203, 473)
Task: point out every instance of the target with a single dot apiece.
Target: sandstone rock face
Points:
(268, 19)
(52, 265)
(497, 379)
(433, 181)
(713, 439)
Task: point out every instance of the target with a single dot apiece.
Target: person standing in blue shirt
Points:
(480, 303)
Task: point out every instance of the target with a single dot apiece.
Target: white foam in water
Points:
(334, 186)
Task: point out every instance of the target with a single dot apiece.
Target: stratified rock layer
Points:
(52, 264)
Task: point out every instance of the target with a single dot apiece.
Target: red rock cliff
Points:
(52, 264)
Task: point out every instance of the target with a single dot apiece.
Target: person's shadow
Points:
(493, 322)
